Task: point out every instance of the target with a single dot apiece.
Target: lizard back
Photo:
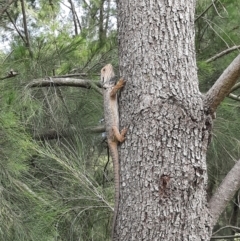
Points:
(111, 115)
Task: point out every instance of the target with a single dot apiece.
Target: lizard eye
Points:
(104, 69)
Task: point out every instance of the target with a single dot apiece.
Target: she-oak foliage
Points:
(56, 180)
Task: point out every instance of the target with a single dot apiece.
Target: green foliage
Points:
(204, 71)
(14, 136)
(16, 148)
(56, 182)
(216, 31)
(225, 146)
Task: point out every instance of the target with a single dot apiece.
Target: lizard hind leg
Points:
(123, 132)
(120, 136)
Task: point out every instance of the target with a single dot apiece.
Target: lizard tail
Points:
(115, 158)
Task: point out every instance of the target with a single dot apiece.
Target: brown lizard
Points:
(110, 88)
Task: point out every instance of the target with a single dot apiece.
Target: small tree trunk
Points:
(163, 160)
(6, 6)
(27, 42)
(75, 19)
(102, 31)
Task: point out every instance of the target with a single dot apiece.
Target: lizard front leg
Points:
(117, 87)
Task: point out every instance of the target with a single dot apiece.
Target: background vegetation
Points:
(56, 181)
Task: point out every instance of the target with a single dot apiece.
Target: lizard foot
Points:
(123, 133)
(121, 83)
(119, 136)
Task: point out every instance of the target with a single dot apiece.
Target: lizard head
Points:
(107, 76)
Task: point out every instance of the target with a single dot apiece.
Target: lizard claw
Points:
(123, 133)
(121, 82)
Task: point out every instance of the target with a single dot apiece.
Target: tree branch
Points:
(98, 129)
(224, 52)
(52, 134)
(28, 45)
(6, 7)
(74, 16)
(225, 192)
(234, 97)
(71, 75)
(49, 135)
(225, 227)
(205, 11)
(14, 25)
(10, 74)
(222, 86)
(235, 87)
(65, 82)
(226, 237)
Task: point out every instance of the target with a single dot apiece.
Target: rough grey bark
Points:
(163, 160)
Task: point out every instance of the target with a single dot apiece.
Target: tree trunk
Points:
(27, 42)
(102, 31)
(163, 160)
(74, 17)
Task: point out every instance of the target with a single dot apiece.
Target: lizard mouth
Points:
(105, 86)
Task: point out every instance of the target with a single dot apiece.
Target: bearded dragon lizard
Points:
(114, 137)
